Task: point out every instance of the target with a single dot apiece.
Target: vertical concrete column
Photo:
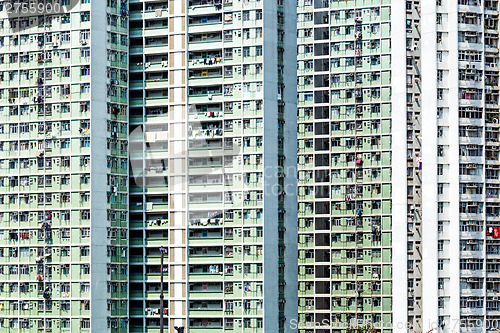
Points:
(178, 167)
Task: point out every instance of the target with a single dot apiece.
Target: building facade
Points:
(205, 182)
(213, 146)
(352, 143)
(130, 126)
(64, 168)
(460, 164)
(398, 159)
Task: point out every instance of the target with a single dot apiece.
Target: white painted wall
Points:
(429, 174)
(98, 160)
(453, 307)
(399, 177)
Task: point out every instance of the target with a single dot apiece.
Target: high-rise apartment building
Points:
(398, 165)
(460, 207)
(352, 184)
(211, 127)
(398, 215)
(213, 146)
(63, 166)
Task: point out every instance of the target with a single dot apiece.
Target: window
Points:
(85, 232)
(84, 35)
(65, 288)
(440, 56)
(85, 323)
(441, 302)
(65, 305)
(65, 125)
(440, 207)
(84, 287)
(65, 323)
(84, 251)
(65, 143)
(258, 51)
(65, 18)
(65, 269)
(440, 93)
(85, 88)
(84, 269)
(85, 53)
(65, 251)
(440, 169)
(65, 36)
(85, 16)
(65, 180)
(85, 70)
(65, 233)
(85, 142)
